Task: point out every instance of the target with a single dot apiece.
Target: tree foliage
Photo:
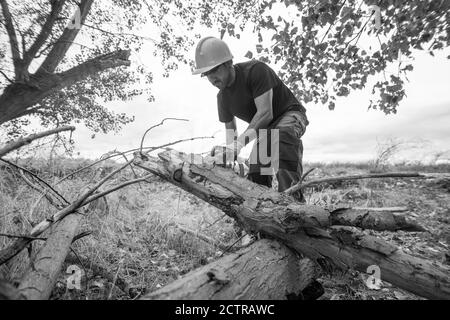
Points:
(42, 50)
(326, 49)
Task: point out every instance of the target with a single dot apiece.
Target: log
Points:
(27, 140)
(303, 185)
(305, 228)
(266, 270)
(17, 246)
(9, 292)
(374, 219)
(40, 279)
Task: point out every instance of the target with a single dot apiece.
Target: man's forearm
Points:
(259, 121)
(231, 131)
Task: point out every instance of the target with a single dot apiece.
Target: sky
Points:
(349, 133)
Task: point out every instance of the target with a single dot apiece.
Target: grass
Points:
(135, 246)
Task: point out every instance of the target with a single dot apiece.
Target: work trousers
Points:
(287, 163)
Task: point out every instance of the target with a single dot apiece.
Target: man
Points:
(252, 91)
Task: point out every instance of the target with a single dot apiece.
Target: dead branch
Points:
(14, 236)
(40, 278)
(306, 174)
(27, 140)
(81, 236)
(266, 270)
(378, 219)
(157, 125)
(9, 252)
(305, 228)
(123, 185)
(383, 209)
(312, 183)
(110, 157)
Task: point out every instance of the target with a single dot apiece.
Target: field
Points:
(137, 243)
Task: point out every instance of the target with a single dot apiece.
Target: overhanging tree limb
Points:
(27, 140)
(56, 8)
(60, 49)
(17, 98)
(17, 60)
(308, 184)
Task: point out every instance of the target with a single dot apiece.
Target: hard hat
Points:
(210, 53)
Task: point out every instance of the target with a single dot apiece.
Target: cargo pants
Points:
(291, 127)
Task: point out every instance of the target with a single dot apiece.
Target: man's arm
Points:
(262, 118)
(231, 131)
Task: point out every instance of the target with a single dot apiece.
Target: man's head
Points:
(213, 59)
(221, 76)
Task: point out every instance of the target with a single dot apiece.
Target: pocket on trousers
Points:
(289, 145)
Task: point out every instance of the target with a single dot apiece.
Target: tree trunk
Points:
(39, 281)
(305, 228)
(266, 270)
(374, 219)
(18, 98)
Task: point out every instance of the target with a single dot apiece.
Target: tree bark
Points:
(39, 281)
(305, 228)
(303, 185)
(27, 140)
(374, 219)
(266, 270)
(17, 98)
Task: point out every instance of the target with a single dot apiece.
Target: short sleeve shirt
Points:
(253, 78)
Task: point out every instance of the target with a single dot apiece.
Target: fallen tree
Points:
(266, 270)
(330, 180)
(305, 228)
(374, 219)
(40, 279)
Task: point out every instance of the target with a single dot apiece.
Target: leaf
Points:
(331, 105)
(259, 48)
(276, 50)
(345, 13)
(249, 55)
(409, 67)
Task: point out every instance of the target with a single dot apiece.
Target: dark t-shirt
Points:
(253, 78)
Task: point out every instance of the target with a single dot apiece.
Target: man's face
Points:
(218, 76)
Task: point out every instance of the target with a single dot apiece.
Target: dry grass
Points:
(135, 247)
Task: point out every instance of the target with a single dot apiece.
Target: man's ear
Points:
(229, 63)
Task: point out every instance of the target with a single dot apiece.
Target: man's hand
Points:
(223, 155)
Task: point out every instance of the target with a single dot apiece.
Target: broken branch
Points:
(27, 140)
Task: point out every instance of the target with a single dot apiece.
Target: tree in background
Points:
(326, 49)
(60, 61)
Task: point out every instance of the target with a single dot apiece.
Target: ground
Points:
(136, 247)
